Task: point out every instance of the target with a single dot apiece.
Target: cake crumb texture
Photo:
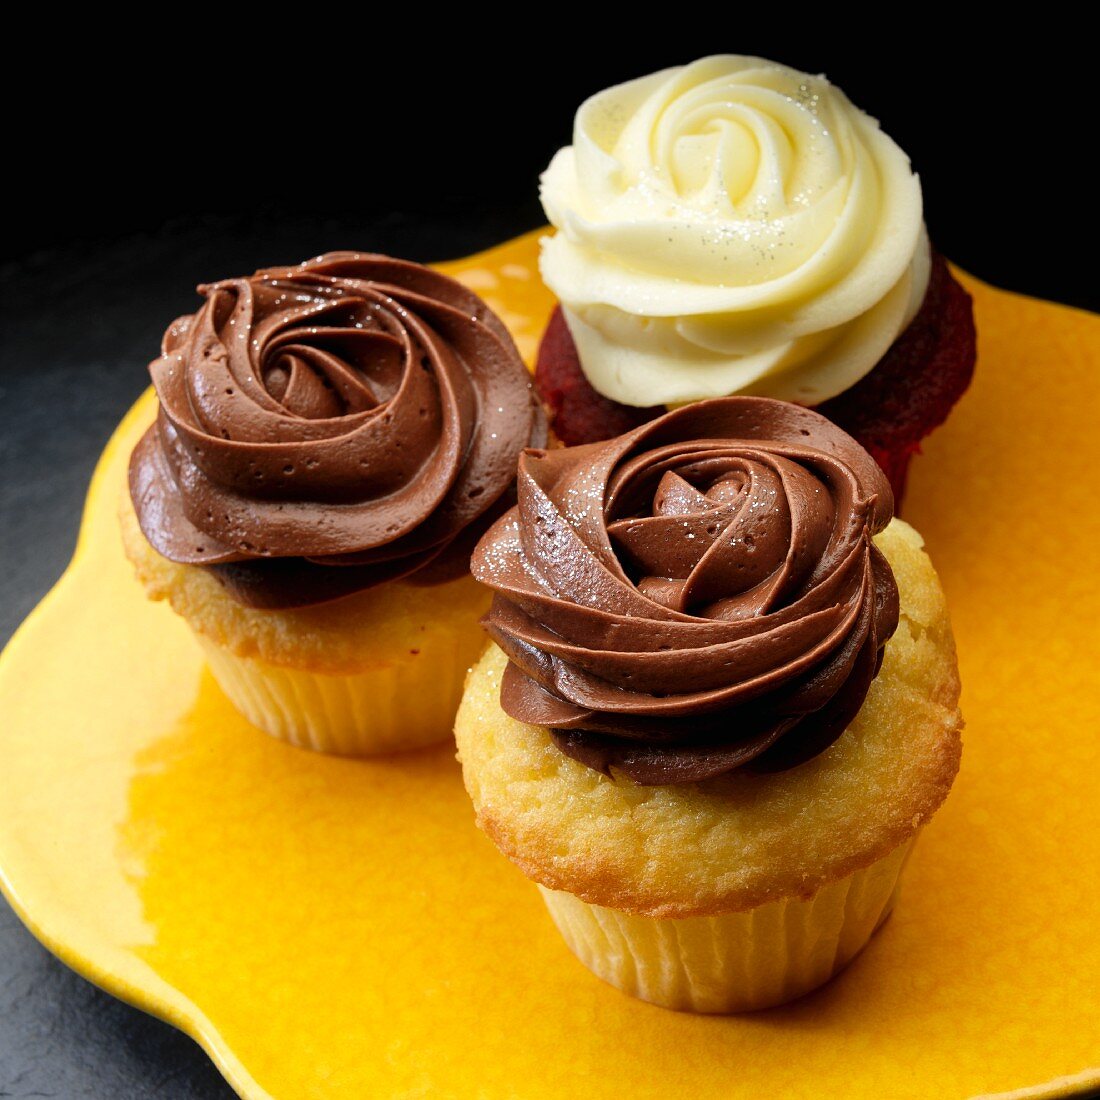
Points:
(397, 623)
(737, 841)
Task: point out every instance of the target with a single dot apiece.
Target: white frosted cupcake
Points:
(722, 703)
(735, 226)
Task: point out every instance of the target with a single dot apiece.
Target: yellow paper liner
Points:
(733, 962)
(392, 708)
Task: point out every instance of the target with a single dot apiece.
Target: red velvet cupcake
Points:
(736, 226)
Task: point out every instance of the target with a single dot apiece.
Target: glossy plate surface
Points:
(340, 929)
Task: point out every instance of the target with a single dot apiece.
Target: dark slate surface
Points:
(77, 327)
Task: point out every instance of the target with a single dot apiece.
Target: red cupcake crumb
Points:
(578, 413)
(916, 383)
(890, 410)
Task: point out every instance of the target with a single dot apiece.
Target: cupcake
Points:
(735, 226)
(721, 704)
(331, 440)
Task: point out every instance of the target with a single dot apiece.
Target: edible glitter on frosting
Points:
(327, 427)
(698, 595)
(731, 226)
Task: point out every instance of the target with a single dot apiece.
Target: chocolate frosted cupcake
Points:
(331, 439)
(722, 703)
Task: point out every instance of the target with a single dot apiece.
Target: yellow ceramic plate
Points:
(333, 928)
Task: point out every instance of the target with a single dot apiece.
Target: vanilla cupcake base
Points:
(375, 672)
(732, 962)
(742, 891)
(391, 709)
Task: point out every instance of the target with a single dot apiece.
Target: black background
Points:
(140, 175)
(1001, 129)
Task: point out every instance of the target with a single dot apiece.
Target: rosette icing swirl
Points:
(326, 427)
(697, 595)
(731, 226)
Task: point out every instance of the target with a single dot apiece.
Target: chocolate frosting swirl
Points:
(330, 426)
(697, 595)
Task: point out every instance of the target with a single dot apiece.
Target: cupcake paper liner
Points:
(733, 962)
(405, 705)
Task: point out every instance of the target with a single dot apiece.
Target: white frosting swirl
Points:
(731, 226)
